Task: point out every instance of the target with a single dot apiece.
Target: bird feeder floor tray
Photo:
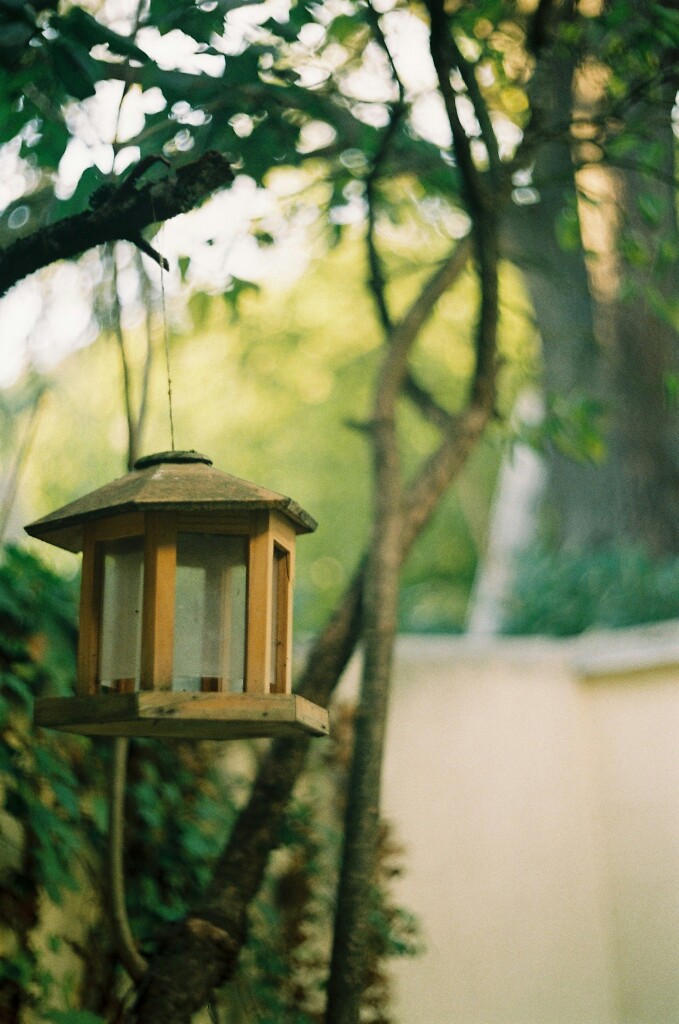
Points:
(183, 715)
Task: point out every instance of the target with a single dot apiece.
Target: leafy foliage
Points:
(284, 967)
(564, 593)
(181, 802)
(46, 786)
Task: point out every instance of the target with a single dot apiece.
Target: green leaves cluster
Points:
(564, 593)
(284, 967)
(181, 803)
(572, 425)
(48, 821)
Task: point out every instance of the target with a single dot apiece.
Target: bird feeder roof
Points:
(170, 481)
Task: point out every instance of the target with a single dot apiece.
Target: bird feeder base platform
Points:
(183, 715)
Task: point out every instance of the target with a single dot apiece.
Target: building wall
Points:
(535, 785)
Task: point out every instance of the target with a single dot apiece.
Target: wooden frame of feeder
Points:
(266, 706)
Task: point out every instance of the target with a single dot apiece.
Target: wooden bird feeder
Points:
(185, 606)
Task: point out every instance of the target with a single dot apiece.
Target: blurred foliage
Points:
(573, 425)
(278, 396)
(266, 381)
(564, 593)
(56, 958)
(271, 85)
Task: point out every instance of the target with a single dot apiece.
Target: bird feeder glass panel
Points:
(210, 613)
(122, 593)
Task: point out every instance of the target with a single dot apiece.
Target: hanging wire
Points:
(167, 353)
(166, 332)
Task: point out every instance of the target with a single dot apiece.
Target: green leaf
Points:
(671, 384)
(11, 682)
(345, 26)
(652, 208)
(81, 27)
(73, 1017)
(66, 798)
(237, 289)
(200, 305)
(14, 34)
(74, 68)
(99, 811)
(567, 230)
(622, 145)
(634, 250)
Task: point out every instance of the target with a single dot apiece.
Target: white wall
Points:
(535, 785)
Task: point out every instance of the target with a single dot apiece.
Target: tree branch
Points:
(443, 52)
(376, 280)
(121, 215)
(425, 402)
(483, 205)
(133, 962)
(480, 109)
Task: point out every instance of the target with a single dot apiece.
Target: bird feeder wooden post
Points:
(185, 606)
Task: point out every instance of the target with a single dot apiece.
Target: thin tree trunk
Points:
(362, 818)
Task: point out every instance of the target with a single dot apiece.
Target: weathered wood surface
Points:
(215, 716)
(157, 632)
(192, 488)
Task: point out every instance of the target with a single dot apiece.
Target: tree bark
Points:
(556, 278)
(121, 214)
(380, 598)
(599, 345)
(644, 340)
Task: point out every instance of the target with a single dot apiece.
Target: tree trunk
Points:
(644, 341)
(359, 856)
(602, 342)
(558, 285)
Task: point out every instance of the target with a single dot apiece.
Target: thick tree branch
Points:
(442, 467)
(408, 328)
(346, 982)
(121, 215)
